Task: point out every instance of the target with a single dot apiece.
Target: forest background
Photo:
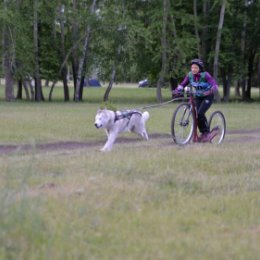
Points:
(43, 42)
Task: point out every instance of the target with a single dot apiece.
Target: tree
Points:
(110, 54)
(163, 71)
(74, 36)
(64, 71)
(8, 58)
(252, 42)
(218, 41)
(37, 76)
(83, 59)
(205, 38)
(196, 29)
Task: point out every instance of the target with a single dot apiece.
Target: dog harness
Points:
(126, 114)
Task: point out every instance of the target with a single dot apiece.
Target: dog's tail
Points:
(145, 116)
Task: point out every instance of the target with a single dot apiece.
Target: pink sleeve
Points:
(211, 81)
(185, 82)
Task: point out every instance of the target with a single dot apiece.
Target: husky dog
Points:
(117, 122)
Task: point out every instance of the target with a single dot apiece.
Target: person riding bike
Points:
(205, 86)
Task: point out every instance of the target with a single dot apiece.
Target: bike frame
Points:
(192, 103)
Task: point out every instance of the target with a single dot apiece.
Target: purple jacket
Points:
(208, 78)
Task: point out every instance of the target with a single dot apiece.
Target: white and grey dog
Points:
(117, 122)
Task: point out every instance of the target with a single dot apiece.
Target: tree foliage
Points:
(131, 40)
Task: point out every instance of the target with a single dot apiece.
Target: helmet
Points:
(198, 62)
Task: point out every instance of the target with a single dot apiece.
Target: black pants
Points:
(203, 104)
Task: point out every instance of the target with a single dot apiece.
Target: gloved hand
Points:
(187, 90)
(178, 92)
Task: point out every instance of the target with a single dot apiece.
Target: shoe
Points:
(203, 138)
(213, 133)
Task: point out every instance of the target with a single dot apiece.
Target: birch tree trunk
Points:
(75, 60)
(162, 74)
(173, 78)
(196, 29)
(7, 61)
(64, 71)
(113, 75)
(26, 90)
(32, 88)
(83, 60)
(204, 35)
(217, 46)
(38, 86)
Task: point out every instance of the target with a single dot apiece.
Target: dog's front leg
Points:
(110, 141)
(107, 132)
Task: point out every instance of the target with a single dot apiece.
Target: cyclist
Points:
(205, 87)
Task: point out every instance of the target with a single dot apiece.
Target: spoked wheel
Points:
(217, 124)
(182, 124)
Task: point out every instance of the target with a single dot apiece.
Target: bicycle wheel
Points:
(217, 123)
(182, 125)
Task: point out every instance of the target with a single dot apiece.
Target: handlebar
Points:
(186, 90)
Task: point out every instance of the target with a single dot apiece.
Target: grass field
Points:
(143, 200)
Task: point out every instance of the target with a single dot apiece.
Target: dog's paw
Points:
(104, 149)
(145, 136)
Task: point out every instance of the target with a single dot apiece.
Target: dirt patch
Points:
(240, 136)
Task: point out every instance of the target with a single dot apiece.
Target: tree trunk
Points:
(226, 79)
(161, 79)
(204, 36)
(113, 75)
(243, 51)
(196, 27)
(258, 71)
(173, 78)
(37, 77)
(244, 86)
(52, 88)
(258, 74)
(19, 89)
(250, 74)
(237, 88)
(7, 62)
(217, 46)
(26, 90)
(75, 60)
(32, 88)
(64, 71)
(83, 60)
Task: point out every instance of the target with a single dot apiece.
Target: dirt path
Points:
(239, 136)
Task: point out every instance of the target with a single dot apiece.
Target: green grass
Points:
(144, 200)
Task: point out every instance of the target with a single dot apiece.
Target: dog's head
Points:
(102, 118)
